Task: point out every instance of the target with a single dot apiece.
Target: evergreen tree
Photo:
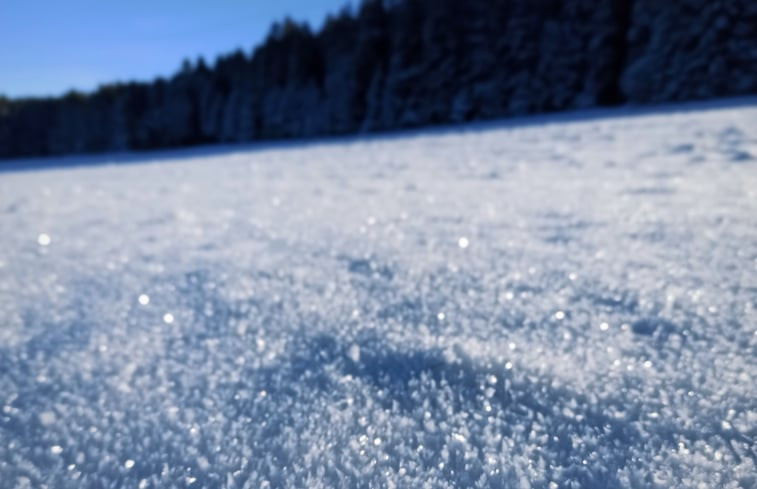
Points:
(401, 63)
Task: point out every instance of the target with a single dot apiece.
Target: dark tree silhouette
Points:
(400, 63)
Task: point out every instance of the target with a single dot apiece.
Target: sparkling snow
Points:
(567, 303)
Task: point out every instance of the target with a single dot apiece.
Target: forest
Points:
(392, 64)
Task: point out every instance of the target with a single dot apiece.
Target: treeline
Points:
(401, 63)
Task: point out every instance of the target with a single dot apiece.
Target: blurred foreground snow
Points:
(567, 304)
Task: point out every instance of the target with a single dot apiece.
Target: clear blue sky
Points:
(50, 46)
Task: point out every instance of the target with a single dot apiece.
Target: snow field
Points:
(557, 305)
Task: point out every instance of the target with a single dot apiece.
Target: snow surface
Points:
(550, 305)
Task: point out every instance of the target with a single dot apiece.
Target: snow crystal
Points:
(47, 418)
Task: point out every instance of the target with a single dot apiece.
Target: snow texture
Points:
(550, 303)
